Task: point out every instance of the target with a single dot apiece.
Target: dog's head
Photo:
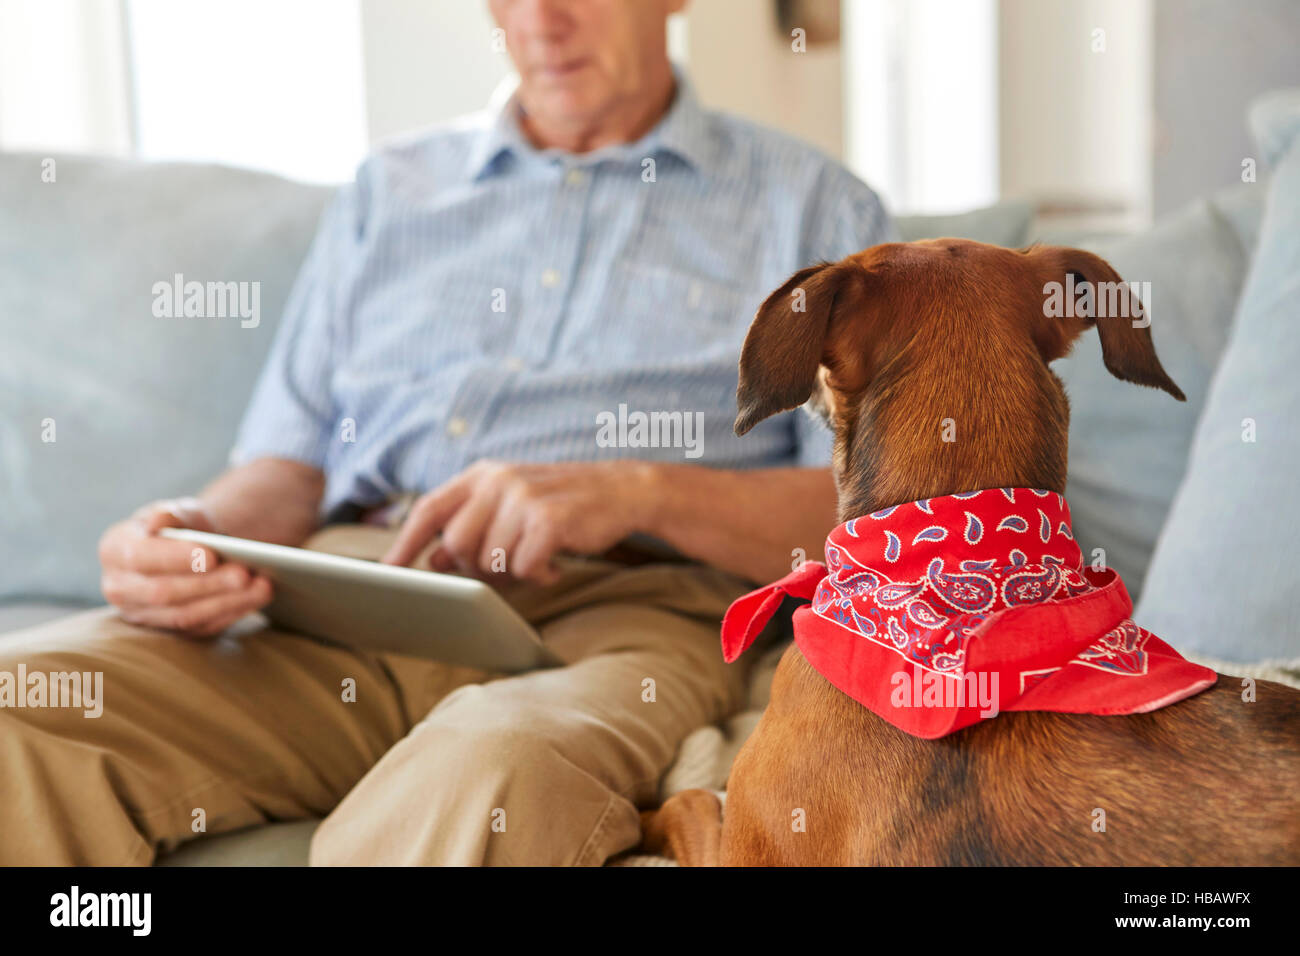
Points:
(929, 361)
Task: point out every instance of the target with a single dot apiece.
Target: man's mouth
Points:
(562, 70)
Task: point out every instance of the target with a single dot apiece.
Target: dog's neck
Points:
(894, 447)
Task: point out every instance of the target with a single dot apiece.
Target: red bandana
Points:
(936, 613)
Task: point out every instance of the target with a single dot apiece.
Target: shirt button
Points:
(457, 426)
(550, 278)
(575, 177)
(514, 364)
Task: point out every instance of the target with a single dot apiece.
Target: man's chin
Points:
(563, 107)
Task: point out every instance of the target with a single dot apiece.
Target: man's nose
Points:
(544, 19)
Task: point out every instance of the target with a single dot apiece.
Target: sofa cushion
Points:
(275, 844)
(1129, 445)
(14, 616)
(1003, 224)
(1242, 206)
(1222, 580)
(105, 405)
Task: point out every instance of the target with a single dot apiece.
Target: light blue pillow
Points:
(1242, 205)
(1129, 445)
(1003, 224)
(1225, 577)
(139, 406)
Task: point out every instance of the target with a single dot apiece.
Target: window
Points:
(921, 101)
(276, 86)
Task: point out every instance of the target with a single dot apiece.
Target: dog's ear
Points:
(1103, 299)
(786, 341)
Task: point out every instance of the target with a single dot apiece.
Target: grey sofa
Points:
(144, 407)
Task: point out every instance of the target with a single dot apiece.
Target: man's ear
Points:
(778, 363)
(1103, 299)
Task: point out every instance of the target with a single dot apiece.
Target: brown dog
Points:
(891, 342)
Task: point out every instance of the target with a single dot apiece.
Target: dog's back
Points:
(1212, 780)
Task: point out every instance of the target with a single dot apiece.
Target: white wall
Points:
(426, 61)
(1212, 59)
(739, 62)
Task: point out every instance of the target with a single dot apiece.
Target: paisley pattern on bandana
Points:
(927, 614)
(966, 586)
(1119, 651)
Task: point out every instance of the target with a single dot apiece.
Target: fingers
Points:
(462, 538)
(133, 545)
(132, 590)
(494, 509)
(175, 585)
(533, 555)
(427, 519)
(130, 547)
(502, 535)
(442, 560)
(174, 513)
(205, 616)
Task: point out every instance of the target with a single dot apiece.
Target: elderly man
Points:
(473, 307)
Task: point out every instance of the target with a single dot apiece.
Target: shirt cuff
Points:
(308, 449)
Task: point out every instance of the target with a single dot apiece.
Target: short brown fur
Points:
(890, 343)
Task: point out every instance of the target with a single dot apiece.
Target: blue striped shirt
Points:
(471, 296)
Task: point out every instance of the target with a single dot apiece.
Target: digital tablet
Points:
(380, 607)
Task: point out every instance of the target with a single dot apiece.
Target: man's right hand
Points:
(153, 580)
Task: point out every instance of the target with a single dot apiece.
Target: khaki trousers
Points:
(429, 764)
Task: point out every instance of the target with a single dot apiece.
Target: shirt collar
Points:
(683, 132)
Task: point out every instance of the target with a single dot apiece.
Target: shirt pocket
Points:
(670, 314)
